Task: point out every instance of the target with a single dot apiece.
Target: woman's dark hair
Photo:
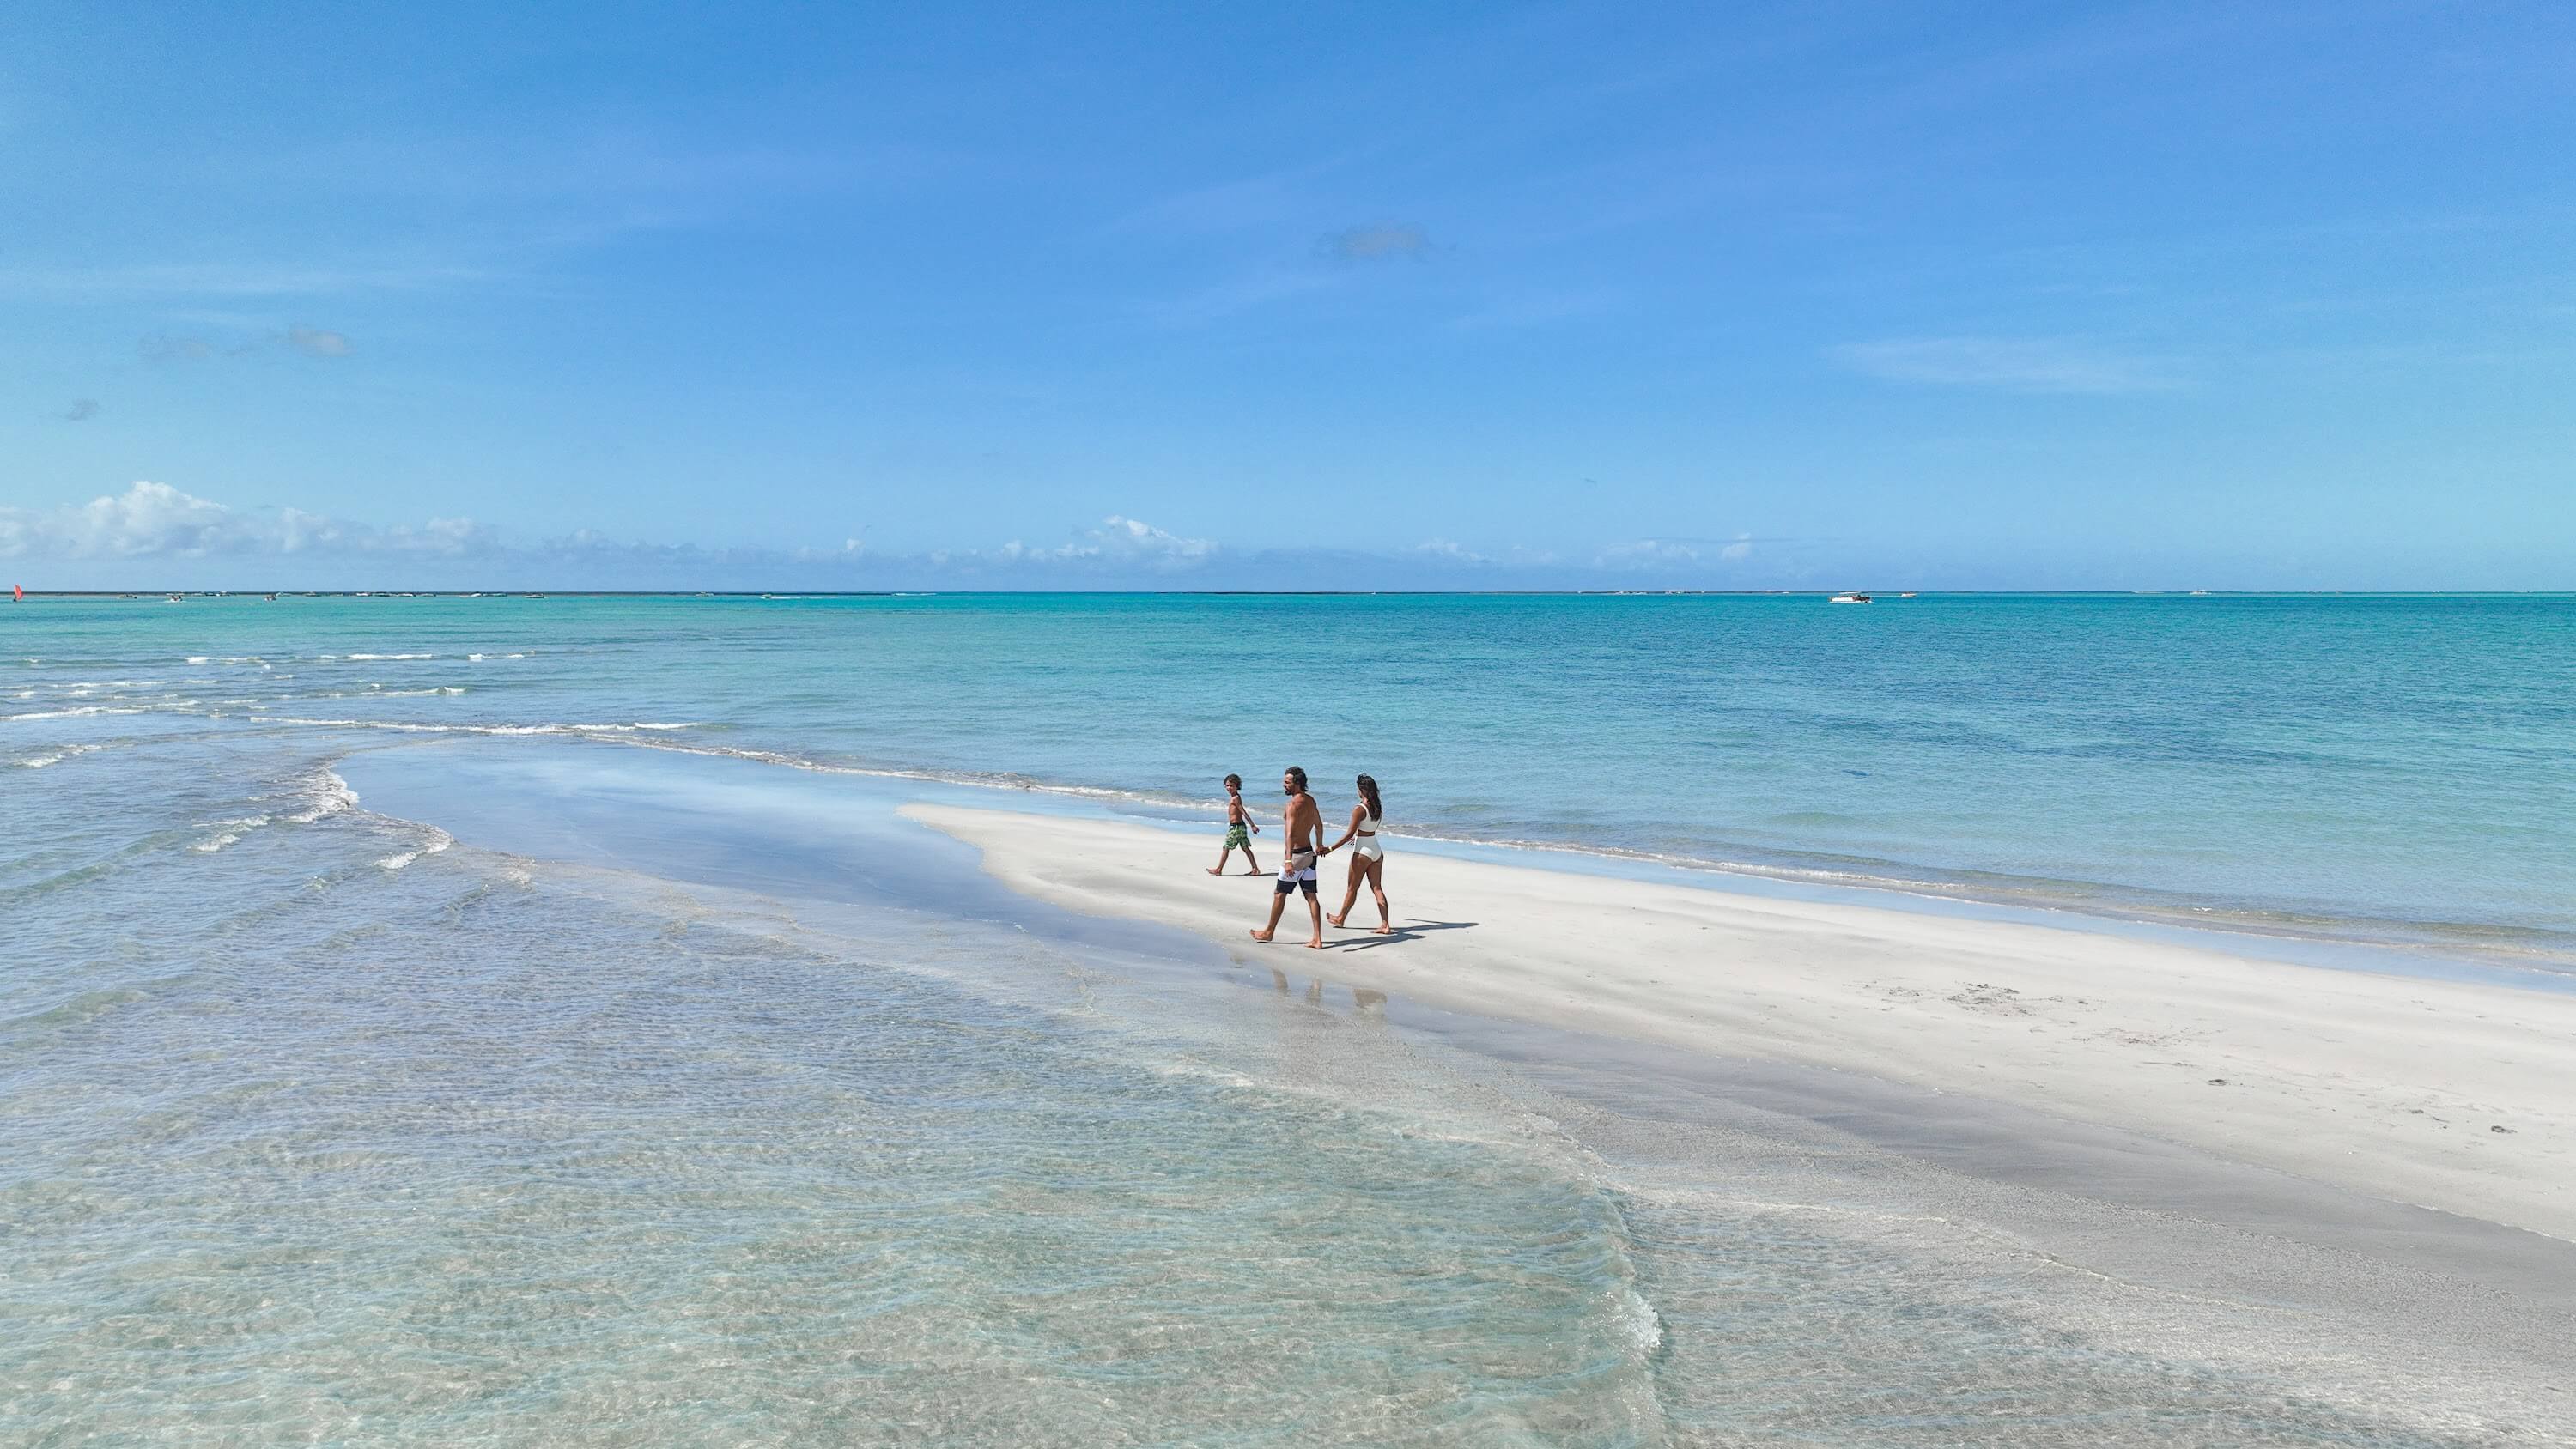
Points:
(1297, 775)
(1234, 782)
(1368, 792)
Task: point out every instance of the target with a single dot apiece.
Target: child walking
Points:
(1236, 838)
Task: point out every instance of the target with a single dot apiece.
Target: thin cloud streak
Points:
(2010, 364)
(226, 279)
(311, 341)
(1375, 241)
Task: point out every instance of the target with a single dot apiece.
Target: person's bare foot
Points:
(1216, 870)
(1316, 944)
(1383, 929)
(1260, 935)
(1337, 920)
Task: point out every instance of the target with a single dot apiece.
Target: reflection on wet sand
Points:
(1364, 1001)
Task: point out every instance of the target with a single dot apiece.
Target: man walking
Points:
(1305, 828)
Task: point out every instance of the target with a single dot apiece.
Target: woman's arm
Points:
(1358, 814)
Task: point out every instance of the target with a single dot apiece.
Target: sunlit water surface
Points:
(320, 1123)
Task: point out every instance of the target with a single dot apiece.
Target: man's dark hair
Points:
(1234, 782)
(1299, 776)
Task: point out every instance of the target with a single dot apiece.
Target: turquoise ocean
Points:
(510, 1019)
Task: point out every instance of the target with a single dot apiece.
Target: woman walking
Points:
(1368, 858)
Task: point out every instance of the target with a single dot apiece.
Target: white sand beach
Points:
(2449, 1095)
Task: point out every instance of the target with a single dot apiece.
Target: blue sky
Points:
(1811, 295)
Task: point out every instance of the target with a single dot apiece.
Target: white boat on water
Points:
(1849, 599)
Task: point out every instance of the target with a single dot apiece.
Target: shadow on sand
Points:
(1404, 931)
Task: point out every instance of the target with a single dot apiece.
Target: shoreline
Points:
(2422, 1091)
(2249, 930)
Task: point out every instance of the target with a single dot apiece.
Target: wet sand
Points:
(2444, 1094)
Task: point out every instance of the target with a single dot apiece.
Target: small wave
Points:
(228, 831)
(86, 1006)
(406, 727)
(373, 657)
(74, 712)
(438, 841)
(54, 756)
(330, 795)
(1643, 1326)
(981, 780)
(196, 659)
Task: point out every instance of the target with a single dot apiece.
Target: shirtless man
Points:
(1305, 827)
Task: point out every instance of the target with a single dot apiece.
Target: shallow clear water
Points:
(546, 1090)
(2383, 767)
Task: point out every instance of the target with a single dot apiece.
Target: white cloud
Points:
(316, 342)
(1118, 540)
(155, 520)
(158, 535)
(1441, 548)
(1669, 553)
(2010, 364)
(1646, 553)
(148, 518)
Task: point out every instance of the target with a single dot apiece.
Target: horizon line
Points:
(785, 595)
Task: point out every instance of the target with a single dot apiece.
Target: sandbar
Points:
(2453, 1095)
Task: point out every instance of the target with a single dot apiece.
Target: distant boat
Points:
(170, 599)
(1905, 596)
(1849, 599)
(272, 598)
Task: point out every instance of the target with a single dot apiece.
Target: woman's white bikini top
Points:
(1365, 821)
